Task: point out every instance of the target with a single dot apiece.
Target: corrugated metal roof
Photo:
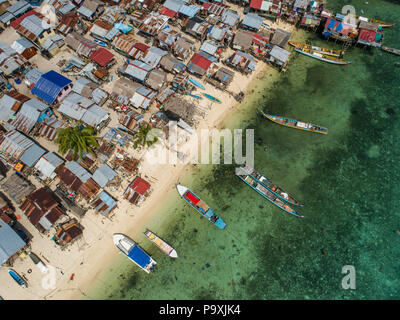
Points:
(48, 163)
(6, 103)
(80, 172)
(190, 10)
(253, 21)
(103, 175)
(153, 56)
(49, 86)
(138, 70)
(106, 199)
(280, 54)
(33, 75)
(71, 110)
(32, 155)
(21, 44)
(173, 5)
(95, 115)
(85, 12)
(209, 47)
(15, 143)
(10, 242)
(230, 18)
(26, 118)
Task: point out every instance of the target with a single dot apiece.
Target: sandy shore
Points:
(87, 257)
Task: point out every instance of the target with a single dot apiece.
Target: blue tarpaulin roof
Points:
(49, 86)
(139, 256)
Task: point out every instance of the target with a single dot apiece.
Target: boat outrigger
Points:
(18, 279)
(329, 52)
(296, 124)
(263, 191)
(391, 50)
(165, 247)
(136, 254)
(200, 206)
(322, 57)
(275, 189)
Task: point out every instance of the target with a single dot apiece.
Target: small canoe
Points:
(103, 44)
(210, 97)
(296, 124)
(329, 52)
(322, 57)
(194, 96)
(391, 50)
(196, 83)
(18, 279)
(161, 244)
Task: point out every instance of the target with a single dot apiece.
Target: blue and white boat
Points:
(200, 206)
(136, 254)
(18, 279)
(196, 83)
(263, 191)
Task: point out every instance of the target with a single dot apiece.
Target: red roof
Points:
(201, 61)
(206, 5)
(141, 46)
(256, 4)
(367, 35)
(101, 56)
(16, 22)
(167, 12)
(140, 185)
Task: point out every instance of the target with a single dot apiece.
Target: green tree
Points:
(80, 140)
(145, 136)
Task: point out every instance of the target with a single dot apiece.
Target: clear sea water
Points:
(348, 179)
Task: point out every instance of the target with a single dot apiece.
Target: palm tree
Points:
(144, 137)
(78, 139)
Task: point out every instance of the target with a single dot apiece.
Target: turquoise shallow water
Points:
(348, 180)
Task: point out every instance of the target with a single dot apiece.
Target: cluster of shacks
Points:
(152, 48)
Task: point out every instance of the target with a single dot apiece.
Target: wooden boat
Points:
(210, 97)
(165, 247)
(322, 57)
(194, 96)
(391, 50)
(263, 191)
(136, 254)
(18, 279)
(296, 124)
(196, 83)
(200, 206)
(329, 52)
(275, 189)
(380, 23)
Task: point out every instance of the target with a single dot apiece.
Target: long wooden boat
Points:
(329, 52)
(391, 50)
(38, 262)
(134, 253)
(160, 243)
(380, 23)
(263, 191)
(18, 279)
(200, 206)
(296, 124)
(275, 189)
(322, 57)
(212, 98)
(197, 83)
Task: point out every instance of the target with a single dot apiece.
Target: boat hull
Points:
(337, 61)
(272, 118)
(294, 213)
(161, 244)
(329, 52)
(17, 278)
(133, 252)
(263, 182)
(209, 214)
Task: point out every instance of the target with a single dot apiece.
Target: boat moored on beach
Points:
(200, 206)
(263, 191)
(296, 124)
(329, 52)
(212, 98)
(160, 243)
(275, 189)
(18, 279)
(136, 254)
(322, 57)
